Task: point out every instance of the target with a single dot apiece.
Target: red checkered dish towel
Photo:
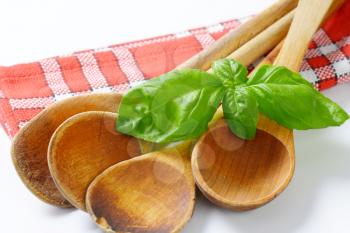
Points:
(26, 89)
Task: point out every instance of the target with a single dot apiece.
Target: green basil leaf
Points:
(134, 114)
(277, 75)
(232, 73)
(297, 106)
(241, 112)
(177, 106)
(186, 103)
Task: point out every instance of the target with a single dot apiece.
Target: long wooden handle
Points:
(264, 42)
(236, 38)
(271, 57)
(308, 17)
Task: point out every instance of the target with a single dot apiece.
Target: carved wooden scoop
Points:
(29, 147)
(82, 148)
(239, 174)
(151, 193)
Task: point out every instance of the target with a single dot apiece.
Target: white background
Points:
(317, 200)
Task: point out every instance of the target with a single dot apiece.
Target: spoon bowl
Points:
(240, 174)
(147, 194)
(74, 163)
(29, 147)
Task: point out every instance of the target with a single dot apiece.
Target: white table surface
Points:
(317, 201)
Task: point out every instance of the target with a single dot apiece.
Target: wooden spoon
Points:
(29, 147)
(151, 193)
(82, 148)
(242, 175)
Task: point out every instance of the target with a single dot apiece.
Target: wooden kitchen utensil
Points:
(30, 156)
(83, 147)
(150, 193)
(236, 38)
(29, 147)
(239, 174)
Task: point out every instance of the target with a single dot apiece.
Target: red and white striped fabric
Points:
(26, 89)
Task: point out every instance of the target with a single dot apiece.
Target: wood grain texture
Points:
(264, 42)
(240, 174)
(307, 20)
(153, 193)
(82, 148)
(236, 38)
(29, 147)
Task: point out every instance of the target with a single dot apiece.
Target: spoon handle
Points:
(236, 38)
(264, 42)
(307, 19)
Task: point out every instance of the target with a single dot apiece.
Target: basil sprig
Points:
(179, 105)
